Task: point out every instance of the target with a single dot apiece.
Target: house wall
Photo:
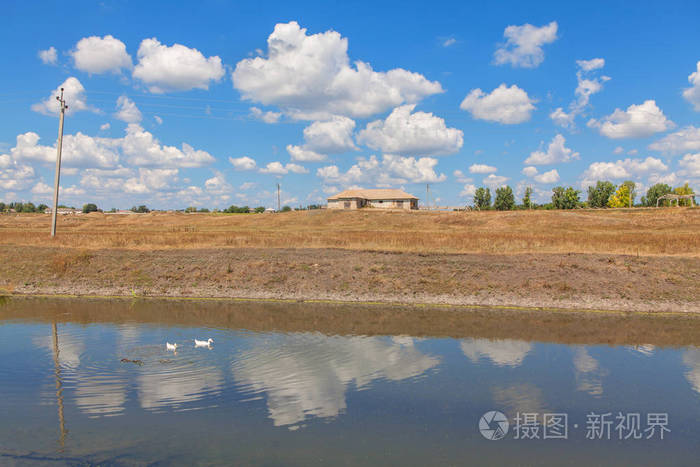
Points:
(345, 204)
(373, 203)
(393, 204)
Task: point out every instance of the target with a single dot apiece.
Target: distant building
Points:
(122, 212)
(378, 198)
(64, 211)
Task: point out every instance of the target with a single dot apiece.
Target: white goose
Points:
(170, 346)
(206, 343)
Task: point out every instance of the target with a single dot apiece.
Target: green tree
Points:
(259, 209)
(684, 190)
(482, 198)
(89, 207)
(621, 198)
(286, 209)
(505, 201)
(565, 198)
(40, 208)
(599, 194)
(140, 209)
(527, 201)
(654, 193)
(2, 207)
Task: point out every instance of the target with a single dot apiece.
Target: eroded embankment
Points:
(582, 281)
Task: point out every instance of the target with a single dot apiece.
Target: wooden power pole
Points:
(59, 146)
(278, 198)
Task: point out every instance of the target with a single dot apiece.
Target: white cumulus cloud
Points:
(265, 116)
(42, 188)
(638, 121)
(684, 140)
(333, 136)
(127, 110)
(48, 56)
(691, 165)
(692, 94)
(142, 148)
(175, 68)
(556, 152)
(508, 105)
(73, 93)
(79, 150)
(482, 169)
(468, 190)
(310, 77)
(547, 177)
(624, 168)
(523, 47)
(529, 171)
(407, 133)
(277, 168)
(390, 171)
(301, 154)
(243, 163)
(590, 65)
(96, 55)
(495, 181)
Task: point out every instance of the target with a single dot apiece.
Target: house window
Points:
(346, 204)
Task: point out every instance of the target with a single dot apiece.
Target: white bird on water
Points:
(170, 346)
(206, 343)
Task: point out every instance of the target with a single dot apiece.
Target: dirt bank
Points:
(612, 282)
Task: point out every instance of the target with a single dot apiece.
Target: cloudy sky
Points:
(211, 104)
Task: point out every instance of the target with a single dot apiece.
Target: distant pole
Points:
(427, 195)
(278, 198)
(59, 146)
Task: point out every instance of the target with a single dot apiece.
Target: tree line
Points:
(603, 194)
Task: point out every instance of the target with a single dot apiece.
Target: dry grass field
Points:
(645, 232)
(641, 259)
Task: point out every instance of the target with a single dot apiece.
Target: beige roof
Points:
(373, 194)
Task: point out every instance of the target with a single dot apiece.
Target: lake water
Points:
(91, 382)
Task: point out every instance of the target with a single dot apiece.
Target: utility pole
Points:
(59, 146)
(278, 198)
(427, 195)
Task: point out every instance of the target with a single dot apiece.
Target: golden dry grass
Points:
(665, 231)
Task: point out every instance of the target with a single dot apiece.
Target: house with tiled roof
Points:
(375, 198)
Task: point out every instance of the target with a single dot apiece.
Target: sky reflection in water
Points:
(316, 397)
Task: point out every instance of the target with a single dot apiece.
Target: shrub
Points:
(599, 194)
(89, 207)
(565, 198)
(654, 193)
(140, 209)
(286, 209)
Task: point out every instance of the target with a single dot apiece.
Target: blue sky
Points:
(211, 104)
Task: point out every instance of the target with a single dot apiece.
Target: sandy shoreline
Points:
(554, 281)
